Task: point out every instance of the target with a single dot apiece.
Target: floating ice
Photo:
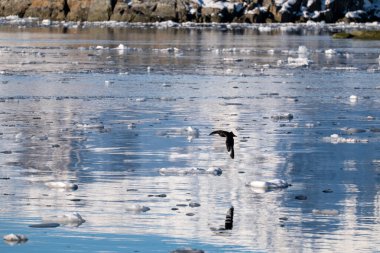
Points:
(269, 185)
(353, 98)
(335, 138)
(137, 208)
(352, 130)
(15, 238)
(99, 47)
(191, 132)
(298, 62)
(140, 99)
(62, 185)
(302, 50)
(190, 171)
(330, 52)
(46, 22)
(90, 126)
(120, 47)
(71, 219)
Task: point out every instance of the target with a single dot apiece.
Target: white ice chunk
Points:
(190, 171)
(302, 50)
(15, 238)
(62, 185)
(335, 138)
(269, 185)
(46, 22)
(142, 99)
(137, 208)
(330, 52)
(90, 126)
(298, 62)
(72, 219)
(353, 98)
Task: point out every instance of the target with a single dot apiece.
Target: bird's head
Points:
(233, 134)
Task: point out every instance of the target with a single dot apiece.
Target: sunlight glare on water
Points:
(76, 109)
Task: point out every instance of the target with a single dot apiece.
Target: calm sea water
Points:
(77, 107)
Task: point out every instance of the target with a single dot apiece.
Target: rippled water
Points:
(73, 108)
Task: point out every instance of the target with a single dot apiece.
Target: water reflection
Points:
(113, 139)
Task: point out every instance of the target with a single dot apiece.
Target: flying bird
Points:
(229, 140)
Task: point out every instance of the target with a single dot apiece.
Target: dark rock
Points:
(190, 214)
(327, 191)
(300, 197)
(45, 225)
(187, 250)
(193, 204)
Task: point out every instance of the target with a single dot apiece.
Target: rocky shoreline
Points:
(199, 11)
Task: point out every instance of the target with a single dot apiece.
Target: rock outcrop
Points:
(247, 11)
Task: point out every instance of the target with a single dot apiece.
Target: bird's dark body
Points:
(229, 140)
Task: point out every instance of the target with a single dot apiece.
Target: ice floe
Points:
(298, 62)
(69, 219)
(190, 171)
(137, 208)
(353, 99)
(15, 238)
(62, 185)
(335, 138)
(263, 186)
(90, 126)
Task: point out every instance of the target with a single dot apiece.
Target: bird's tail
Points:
(232, 152)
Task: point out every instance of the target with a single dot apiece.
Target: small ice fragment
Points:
(137, 208)
(15, 238)
(335, 138)
(120, 47)
(190, 171)
(99, 47)
(90, 126)
(191, 131)
(330, 52)
(298, 62)
(106, 83)
(73, 219)
(140, 99)
(131, 125)
(46, 22)
(269, 185)
(309, 125)
(352, 130)
(62, 185)
(148, 69)
(353, 98)
(369, 117)
(302, 50)
(166, 85)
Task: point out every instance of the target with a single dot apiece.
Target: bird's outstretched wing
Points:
(221, 133)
